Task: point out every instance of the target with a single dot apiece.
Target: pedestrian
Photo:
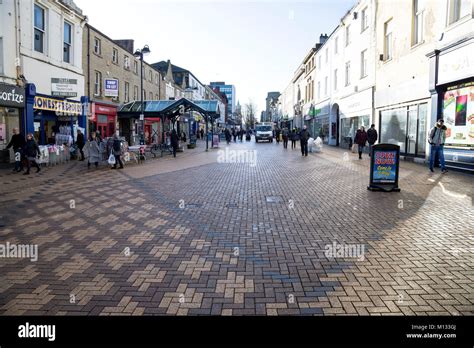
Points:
(294, 138)
(202, 133)
(183, 136)
(18, 143)
(277, 133)
(31, 153)
(372, 137)
(80, 143)
(174, 141)
(285, 134)
(228, 136)
(304, 137)
(361, 139)
(241, 135)
(234, 135)
(93, 148)
(117, 151)
(99, 138)
(437, 137)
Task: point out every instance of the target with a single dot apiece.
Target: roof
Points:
(169, 108)
(178, 72)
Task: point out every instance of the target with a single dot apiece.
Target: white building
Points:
(286, 102)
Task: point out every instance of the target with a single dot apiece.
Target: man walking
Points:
(372, 137)
(18, 143)
(437, 137)
(285, 138)
(80, 143)
(304, 137)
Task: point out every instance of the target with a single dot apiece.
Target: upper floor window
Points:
(150, 76)
(97, 46)
(335, 79)
(364, 19)
(319, 90)
(40, 29)
(98, 83)
(388, 37)
(67, 42)
(327, 55)
(348, 35)
(126, 62)
(115, 56)
(348, 73)
(326, 85)
(127, 92)
(336, 45)
(417, 36)
(135, 67)
(363, 64)
(458, 9)
(319, 62)
(157, 78)
(135, 92)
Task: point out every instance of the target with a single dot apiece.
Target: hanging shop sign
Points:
(63, 87)
(12, 96)
(60, 106)
(384, 168)
(111, 88)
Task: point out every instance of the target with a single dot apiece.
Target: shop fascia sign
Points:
(59, 106)
(12, 96)
(63, 87)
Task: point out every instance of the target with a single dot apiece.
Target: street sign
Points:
(142, 117)
(384, 168)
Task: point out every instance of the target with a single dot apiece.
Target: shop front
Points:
(103, 119)
(12, 104)
(56, 120)
(320, 122)
(452, 88)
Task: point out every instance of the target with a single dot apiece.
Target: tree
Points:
(250, 112)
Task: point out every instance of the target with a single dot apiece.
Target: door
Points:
(102, 128)
(412, 130)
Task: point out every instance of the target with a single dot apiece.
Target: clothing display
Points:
(53, 154)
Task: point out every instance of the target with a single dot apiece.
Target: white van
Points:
(264, 132)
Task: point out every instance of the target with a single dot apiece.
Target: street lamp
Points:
(139, 54)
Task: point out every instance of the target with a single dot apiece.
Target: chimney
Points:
(323, 38)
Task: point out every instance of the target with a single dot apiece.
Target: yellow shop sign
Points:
(64, 107)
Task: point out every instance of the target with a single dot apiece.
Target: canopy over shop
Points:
(159, 112)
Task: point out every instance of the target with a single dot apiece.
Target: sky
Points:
(255, 45)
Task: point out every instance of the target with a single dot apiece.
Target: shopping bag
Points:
(112, 159)
(354, 148)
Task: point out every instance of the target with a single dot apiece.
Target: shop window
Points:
(39, 29)
(349, 127)
(393, 127)
(67, 42)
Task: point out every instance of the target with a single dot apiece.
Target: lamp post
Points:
(139, 54)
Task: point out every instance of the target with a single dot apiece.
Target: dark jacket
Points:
(228, 135)
(360, 138)
(295, 136)
(17, 141)
(31, 149)
(117, 147)
(80, 141)
(372, 136)
(174, 139)
(304, 135)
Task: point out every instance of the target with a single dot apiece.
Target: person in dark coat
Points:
(241, 135)
(174, 141)
(304, 137)
(234, 135)
(80, 143)
(18, 143)
(228, 136)
(31, 153)
(372, 137)
(285, 134)
(361, 139)
(117, 151)
(202, 133)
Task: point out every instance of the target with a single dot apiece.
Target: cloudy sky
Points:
(255, 45)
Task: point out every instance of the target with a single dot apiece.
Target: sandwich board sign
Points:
(384, 168)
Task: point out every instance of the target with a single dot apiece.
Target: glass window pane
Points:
(393, 127)
(422, 113)
(39, 17)
(38, 40)
(67, 33)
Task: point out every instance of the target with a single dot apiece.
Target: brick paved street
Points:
(193, 236)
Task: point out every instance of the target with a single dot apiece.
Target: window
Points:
(363, 64)
(151, 96)
(335, 79)
(40, 29)
(126, 62)
(157, 78)
(157, 97)
(115, 56)
(67, 42)
(348, 73)
(417, 36)
(135, 92)
(319, 90)
(97, 46)
(457, 9)
(336, 45)
(98, 84)
(319, 62)
(135, 67)
(1, 55)
(150, 76)
(388, 45)
(326, 85)
(364, 20)
(348, 35)
(127, 92)
(327, 55)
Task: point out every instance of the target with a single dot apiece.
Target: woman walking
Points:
(361, 139)
(31, 152)
(94, 151)
(174, 142)
(117, 151)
